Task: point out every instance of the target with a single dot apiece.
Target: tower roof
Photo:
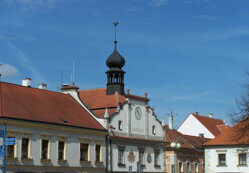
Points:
(115, 60)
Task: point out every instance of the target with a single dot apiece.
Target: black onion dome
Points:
(115, 60)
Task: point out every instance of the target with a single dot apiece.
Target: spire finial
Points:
(115, 25)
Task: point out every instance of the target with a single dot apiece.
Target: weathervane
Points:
(115, 25)
(171, 113)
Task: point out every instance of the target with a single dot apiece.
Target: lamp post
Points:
(175, 145)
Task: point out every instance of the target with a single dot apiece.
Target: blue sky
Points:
(189, 55)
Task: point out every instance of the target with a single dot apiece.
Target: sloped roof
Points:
(187, 141)
(101, 112)
(235, 135)
(25, 103)
(97, 99)
(210, 123)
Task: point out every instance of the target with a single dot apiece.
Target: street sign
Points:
(10, 141)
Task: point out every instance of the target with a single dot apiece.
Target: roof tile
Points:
(97, 99)
(187, 141)
(235, 135)
(40, 105)
(210, 123)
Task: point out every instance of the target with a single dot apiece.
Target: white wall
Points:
(149, 166)
(211, 159)
(72, 141)
(192, 126)
(139, 129)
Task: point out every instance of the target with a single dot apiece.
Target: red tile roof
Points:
(211, 124)
(187, 141)
(97, 99)
(101, 112)
(25, 103)
(235, 135)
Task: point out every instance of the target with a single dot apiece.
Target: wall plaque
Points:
(149, 159)
(131, 157)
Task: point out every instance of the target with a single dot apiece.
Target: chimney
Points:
(145, 95)
(65, 88)
(26, 82)
(170, 121)
(196, 113)
(210, 115)
(42, 86)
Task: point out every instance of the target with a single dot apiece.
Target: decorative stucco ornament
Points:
(149, 159)
(131, 157)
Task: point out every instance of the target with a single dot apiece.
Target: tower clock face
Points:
(138, 113)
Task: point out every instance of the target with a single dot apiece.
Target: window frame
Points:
(64, 150)
(99, 157)
(87, 152)
(220, 162)
(141, 156)
(180, 167)
(48, 149)
(14, 149)
(188, 167)
(156, 158)
(120, 125)
(153, 130)
(28, 148)
(244, 159)
(196, 167)
(121, 156)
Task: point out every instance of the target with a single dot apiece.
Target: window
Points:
(156, 158)
(121, 156)
(172, 168)
(153, 130)
(221, 159)
(180, 167)
(61, 150)
(84, 152)
(10, 150)
(25, 148)
(141, 156)
(98, 153)
(188, 167)
(44, 149)
(196, 167)
(242, 159)
(120, 125)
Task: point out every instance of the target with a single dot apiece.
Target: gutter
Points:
(42, 122)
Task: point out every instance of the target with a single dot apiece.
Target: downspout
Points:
(107, 154)
(110, 154)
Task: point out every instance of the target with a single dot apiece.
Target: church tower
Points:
(115, 74)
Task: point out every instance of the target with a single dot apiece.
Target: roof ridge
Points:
(91, 89)
(43, 90)
(195, 136)
(206, 116)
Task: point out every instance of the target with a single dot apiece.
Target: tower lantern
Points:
(115, 74)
